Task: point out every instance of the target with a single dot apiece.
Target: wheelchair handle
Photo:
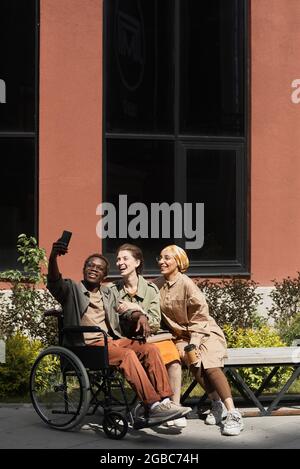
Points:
(84, 329)
(53, 312)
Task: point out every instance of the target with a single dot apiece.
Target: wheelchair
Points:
(67, 384)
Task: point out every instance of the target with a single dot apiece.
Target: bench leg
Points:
(267, 381)
(247, 390)
(285, 388)
(235, 383)
(188, 391)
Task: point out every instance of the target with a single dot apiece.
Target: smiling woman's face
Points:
(126, 263)
(167, 263)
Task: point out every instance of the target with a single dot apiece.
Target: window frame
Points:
(240, 266)
(35, 133)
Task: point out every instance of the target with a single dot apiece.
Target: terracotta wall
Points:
(275, 139)
(70, 147)
(71, 132)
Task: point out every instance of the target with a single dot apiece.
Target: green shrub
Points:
(22, 310)
(264, 336)
(285, 300)
(21, 352)
(289, 331)
(233, 302)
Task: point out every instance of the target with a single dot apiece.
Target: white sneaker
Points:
(86, 427)
(180, 423)
(233, 424)
(217, 413)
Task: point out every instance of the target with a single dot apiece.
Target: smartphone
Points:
(65, 237)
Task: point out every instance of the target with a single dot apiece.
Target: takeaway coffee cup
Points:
(191, 354)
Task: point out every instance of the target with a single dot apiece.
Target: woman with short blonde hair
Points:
(185, 312)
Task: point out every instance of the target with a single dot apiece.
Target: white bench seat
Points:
(273, 357)
(262, 356)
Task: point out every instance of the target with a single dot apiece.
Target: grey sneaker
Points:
(217, 413)
(183, 410)
(161, 413)
(233, 424)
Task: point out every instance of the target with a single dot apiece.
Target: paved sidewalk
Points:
(21, 427)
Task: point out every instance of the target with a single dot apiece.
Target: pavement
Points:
(22, 428)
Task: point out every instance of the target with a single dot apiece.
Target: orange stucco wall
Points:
(70, 146)
(275, 139)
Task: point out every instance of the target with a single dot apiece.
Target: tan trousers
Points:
(142, 366)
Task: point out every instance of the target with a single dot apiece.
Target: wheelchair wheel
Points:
(59, 388)
(115, 425)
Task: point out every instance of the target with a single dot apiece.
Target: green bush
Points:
(22, 310)
(21, 352)
(285, 299)
(289, 331)
(264, 336)
(233, 302)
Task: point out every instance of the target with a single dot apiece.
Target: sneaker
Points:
(178, 423)
(217, 413)
(233, 424)
(86, 427)
(165, 411)
(160, 414)
(183, 410)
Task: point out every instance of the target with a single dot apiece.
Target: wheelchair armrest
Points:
(57, 313)
(81, 329)
(84, 329)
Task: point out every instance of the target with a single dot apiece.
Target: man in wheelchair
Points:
(89, 303)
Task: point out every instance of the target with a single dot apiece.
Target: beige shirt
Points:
(184, 308)
(94, 316)
(185, 312)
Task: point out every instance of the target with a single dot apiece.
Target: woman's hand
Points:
(127, 305)
(196, 339)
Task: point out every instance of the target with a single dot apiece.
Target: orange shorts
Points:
(168, 351)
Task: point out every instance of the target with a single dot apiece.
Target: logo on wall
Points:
(2, 92)
(130, 43)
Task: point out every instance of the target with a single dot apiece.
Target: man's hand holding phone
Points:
(60, 247)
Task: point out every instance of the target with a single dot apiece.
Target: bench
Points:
(274, 357)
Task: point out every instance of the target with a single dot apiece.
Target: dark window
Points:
(140, 66)
(148, 177)
(16, 193)
(215, 176)
(212, 67)
(181, 66)
(17, 64)
(18, 121)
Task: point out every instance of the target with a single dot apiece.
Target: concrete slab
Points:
(21, 427)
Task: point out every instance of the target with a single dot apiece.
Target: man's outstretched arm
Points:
(58, 249)
(55, 284)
